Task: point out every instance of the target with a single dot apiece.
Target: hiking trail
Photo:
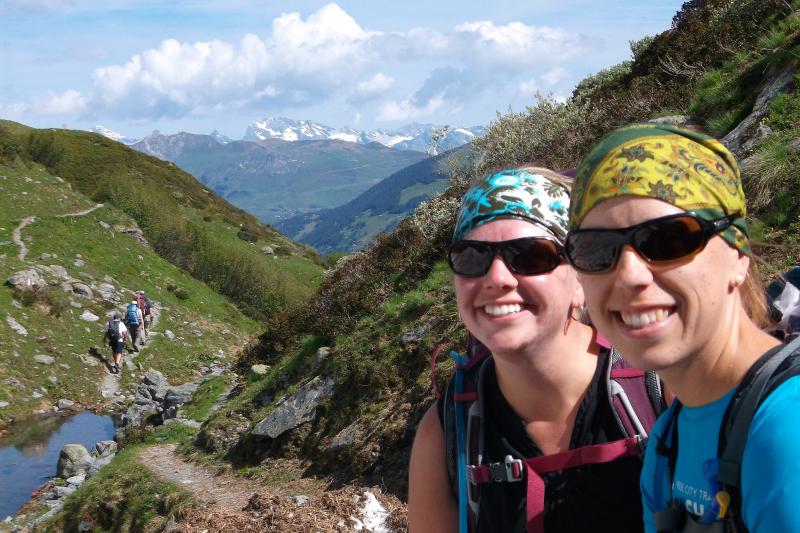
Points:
(16, 235)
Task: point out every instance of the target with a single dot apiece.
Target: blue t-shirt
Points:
(770, 466)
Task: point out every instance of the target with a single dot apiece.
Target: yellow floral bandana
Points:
(689, 170)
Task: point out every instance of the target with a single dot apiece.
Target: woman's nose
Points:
(499, 276)
(632, 271)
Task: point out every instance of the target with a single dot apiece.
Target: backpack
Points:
(148, 306)
(132, 315)
(766, 374)
(140, 302)
(636, 400)
(112, 330)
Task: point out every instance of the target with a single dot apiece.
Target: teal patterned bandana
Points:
(517, 194)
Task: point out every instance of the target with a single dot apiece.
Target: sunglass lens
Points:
(470, 258)
(532, 256)
(593, 251)
(668, 240)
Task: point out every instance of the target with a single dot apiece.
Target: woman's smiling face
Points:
(508, 312)
(661, 315)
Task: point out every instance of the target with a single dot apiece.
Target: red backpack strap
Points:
(634, 396)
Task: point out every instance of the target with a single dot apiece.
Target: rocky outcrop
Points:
(298, 409)
(26, 280)
(156, 401)
(746, 134)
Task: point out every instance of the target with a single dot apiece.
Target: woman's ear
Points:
(739, 271)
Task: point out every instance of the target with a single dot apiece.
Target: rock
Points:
(139, 413)
(65, 404)
(170, 413)
(268, 250)
(66, 287)
(85, 525)
(780, 82)
(15, 326)
(16, 304)
(300, 499)
(762, 132)
(63, 492)
(413, 336)
(89, 316)
(14, 382)
(177, 396)
(52, 379)
(88, 360)
(3, 405)
(105, 447)
(259, 371)
(298, 409)
(76, 305)
(671, 120)
(79, 263)
(104, 225)
(45, 256)
(44, 359)
(71, 458)
(82, 289)
(59, 271)
(107, 292)
(345, 437)
(183, 421)
(168, 334)
(322, 353)
(25, 280)
(155, 378)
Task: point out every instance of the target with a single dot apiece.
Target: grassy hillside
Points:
(186, 223)
(351, 226)
(274, 179)
(93, 249)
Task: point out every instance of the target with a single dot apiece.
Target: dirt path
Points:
(16, 235)
(220, 491)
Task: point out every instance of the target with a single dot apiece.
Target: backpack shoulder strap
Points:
(762, 379)
(635, 397)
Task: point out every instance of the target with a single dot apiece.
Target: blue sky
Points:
(192, 65)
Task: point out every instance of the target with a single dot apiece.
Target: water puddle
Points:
(29, 452)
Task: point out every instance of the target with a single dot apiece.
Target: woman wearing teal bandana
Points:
(533, 387)
(659, 238)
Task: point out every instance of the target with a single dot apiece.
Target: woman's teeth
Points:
(501, 310)
(640, 320)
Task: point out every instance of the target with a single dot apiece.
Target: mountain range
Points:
(415, 137)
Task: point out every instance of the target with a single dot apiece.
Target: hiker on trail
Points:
(526, 438)
(146, 308)
(661, 244)
(115, 333)
(134, 320)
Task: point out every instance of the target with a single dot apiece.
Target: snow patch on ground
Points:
(373, 516)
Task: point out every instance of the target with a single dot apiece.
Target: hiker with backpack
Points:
(542, 426)
(146, 308)
(660, 242)
(134, 321)
(116, 333)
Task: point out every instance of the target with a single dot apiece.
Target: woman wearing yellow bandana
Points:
(659, 239)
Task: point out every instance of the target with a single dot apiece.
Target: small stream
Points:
(29, 452)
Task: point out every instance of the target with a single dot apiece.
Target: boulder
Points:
(71, 460)
(65, 404)
(82, 289)
(268, 250)
(26, 279)
(79, 263)
(345, 437)
(177, 396)
(76, 479)
(105, 447)
(140, 412)
(168, 334)
(155, 378)
(88, 316)
(63, 492)
(107, 292)
(44, 359)
(66, 287)
(413, 336)
(59, 271)
(298, 409)
(15, 326)
(322, 354)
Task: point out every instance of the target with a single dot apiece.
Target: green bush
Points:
(43, 147)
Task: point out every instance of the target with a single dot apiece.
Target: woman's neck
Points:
(548, 381)
(720, 365)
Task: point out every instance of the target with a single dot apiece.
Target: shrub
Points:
(43, 147)
(179, 292)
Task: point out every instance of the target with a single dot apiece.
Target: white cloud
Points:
(404, 110)
(378, 83)
(67, 103)
(301, 62)
(554, 75)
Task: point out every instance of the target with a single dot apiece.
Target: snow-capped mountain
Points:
(415, 137)
(113, 135)
(220, 138)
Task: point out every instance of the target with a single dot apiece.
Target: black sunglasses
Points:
(527, 256)
(660, 240)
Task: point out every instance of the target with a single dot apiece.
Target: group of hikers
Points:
(622, 371)
(138, 317)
